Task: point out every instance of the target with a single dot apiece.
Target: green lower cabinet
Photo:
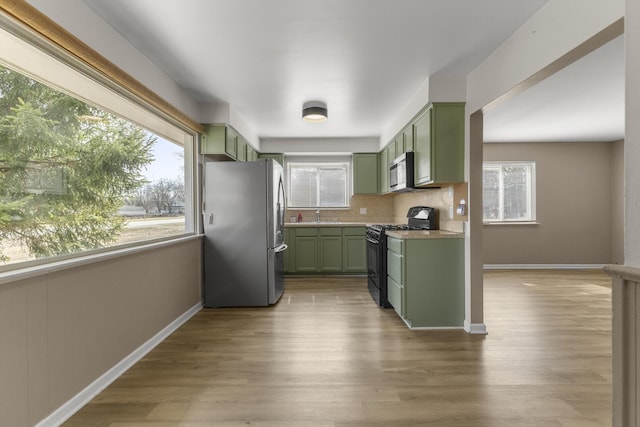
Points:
(306, 254)
(330, 254)
(325, 250)
(290, 253)
(354, 253)
(426, 281)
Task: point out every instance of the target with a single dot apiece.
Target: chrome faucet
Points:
(318, 215)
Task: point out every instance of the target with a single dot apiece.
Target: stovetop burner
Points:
(381, 227)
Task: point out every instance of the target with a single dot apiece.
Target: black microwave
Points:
(401, 172)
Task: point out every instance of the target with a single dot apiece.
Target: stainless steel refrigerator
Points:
(243, 213)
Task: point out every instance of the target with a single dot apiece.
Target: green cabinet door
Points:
(230, 144)
(241, 149)
(354, 254)
(214, 141)
(252, 154)
(447, 142)
(439, 144)
(384, 172)
(306, 254)
(391, 153)
(221, 142)
(399, 143)
(330, 248)
(365, 173)
(290, 252)
(407, 136)
(422, 145)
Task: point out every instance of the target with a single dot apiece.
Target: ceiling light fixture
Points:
(314, 112)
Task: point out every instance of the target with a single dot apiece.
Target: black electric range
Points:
(419, 218)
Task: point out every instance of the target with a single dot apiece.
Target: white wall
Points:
(558, 28)
(319, 145)
(77, 18)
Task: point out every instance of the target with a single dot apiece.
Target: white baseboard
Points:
(74, 404)
(475, 328)
(543, 266)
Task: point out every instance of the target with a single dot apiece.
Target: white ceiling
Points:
(364, 58)
(582, 102)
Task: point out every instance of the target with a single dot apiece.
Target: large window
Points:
(508, 191)
(319, 183)
(83, 172)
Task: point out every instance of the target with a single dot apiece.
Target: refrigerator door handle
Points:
(283, 247)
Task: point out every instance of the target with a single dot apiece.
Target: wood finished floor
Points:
(326, 356)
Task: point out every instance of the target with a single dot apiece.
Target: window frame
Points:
(314, 160)
(531, 191)
(34, 54)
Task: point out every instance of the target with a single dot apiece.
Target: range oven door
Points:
(373, 258)
(374, 255)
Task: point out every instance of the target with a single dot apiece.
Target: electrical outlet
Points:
(363, 211)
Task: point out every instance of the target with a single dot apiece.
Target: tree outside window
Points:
(67, 169)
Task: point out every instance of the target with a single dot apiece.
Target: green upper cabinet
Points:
(230, 142)
(438, 138)
(384, 172)
(399, 144)
(422, 145)
(252, 154)
(365, 173)
(407, 137)
(391, 153)
(222, 142)
(241, 149)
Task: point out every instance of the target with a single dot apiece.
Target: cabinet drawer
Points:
(395, 245)
(394, 266)
(394, 294)
(304, 231)
(330, 231)
(354, 231)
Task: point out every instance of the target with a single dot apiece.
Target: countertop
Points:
(326, 224)
(424, 234)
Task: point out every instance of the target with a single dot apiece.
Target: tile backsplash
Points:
(389, 208)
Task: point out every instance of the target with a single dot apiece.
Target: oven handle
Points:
(372, 241)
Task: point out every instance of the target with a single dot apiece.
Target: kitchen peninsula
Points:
(426, 277)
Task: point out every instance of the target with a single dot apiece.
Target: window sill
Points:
(27, 272)
(489, 223)
(336, 208)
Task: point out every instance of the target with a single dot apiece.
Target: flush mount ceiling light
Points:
(314, 112)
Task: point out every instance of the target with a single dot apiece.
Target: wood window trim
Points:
(35, 21)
